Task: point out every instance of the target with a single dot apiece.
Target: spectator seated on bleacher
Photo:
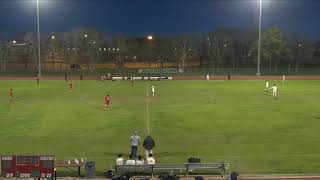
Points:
(140, 161)
(151, 160)
(119, 160)
(130, 161)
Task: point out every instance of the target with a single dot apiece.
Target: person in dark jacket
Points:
(148, 145)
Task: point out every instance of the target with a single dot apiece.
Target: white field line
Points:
(148, 119)
(218, 156)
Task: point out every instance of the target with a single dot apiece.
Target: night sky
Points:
(159, 17)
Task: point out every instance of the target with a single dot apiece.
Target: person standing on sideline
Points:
(151, 160)
(267, 86)
(229, 77)
(119, 160)
(274, 90)
(81, 77)
(208, 77)
(134, 142)
(148, 145)
(283, 78)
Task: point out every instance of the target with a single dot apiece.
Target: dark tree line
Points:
(222, 48)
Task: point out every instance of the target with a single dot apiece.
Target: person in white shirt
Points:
(274, 90)
(208, 77)
(130, 161)
(151, 160)
(152, 89)
(119, 160)
(140, 161)
(283, 78)
(267, 86)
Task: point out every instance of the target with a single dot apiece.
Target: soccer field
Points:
(235, 122)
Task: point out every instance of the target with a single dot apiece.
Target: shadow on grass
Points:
(316, 117)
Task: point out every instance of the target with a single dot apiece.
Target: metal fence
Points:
(144, 72)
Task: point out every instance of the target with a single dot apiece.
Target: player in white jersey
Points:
(152, 89)
(283, 78)
(267, 86)
(274, 90)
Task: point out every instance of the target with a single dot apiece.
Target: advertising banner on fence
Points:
(158, 71)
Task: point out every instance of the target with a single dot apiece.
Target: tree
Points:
(29, 39)
(301, 51)
(121, 51)
(185, 48)
(87, 44)
(274, 48)
(227, 46)
(70, 47)
(54, 44)
(316, 53)
(218, 43)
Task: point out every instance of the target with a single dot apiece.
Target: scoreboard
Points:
(27, 166)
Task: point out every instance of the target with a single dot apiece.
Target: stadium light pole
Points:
(150, 39)
(259, 43)
(39, 46)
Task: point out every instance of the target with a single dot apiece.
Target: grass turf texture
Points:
(234, 122)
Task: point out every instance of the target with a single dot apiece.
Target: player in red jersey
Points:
(132, 81)
(106, 102)
(10, 95)
(70, 86)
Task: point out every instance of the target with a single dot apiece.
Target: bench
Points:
(133, 168)
(183, 167)
(198, 166)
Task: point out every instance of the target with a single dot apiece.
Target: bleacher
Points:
(156, 169)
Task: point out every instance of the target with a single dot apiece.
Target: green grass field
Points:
(235, 122)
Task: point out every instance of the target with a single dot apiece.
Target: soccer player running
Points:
(153, 89)
(70, 86)
(38, 80)
(267, 86)
(107, 102)
(274, 90)
(132, 81)
(10, 94)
